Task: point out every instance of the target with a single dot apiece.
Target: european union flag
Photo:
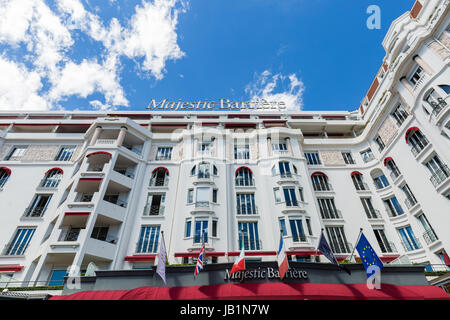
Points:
(367, 254)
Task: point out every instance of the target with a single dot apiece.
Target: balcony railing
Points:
(159, 182)
(416, 245)
(203, 175)
(243, 210)
(440, 175)
(95, 169)
(285, 175)
(34, 211)
(69, 235)
(125, 173)
(119, 203)
(153, 210)
(416, 148)
(390, 248)
(395, 174)
(361, 186)
(430, 237)
(47, 183)
(105, 141)
(374, 214)
(331, 214)
(410, 202)
(322, 186)
(242, 182)
(202, 204)
(250, 244)
(136, 149)
(146, 247)
(14, 249)
(437, 267)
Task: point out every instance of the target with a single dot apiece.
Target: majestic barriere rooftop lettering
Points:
(222, 104)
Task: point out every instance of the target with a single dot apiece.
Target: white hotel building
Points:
(80, 187)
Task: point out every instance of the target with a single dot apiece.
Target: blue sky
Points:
(118, 55)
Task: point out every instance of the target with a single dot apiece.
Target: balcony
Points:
(104, 249)
(322, 186)
(242, 182)
(159, 182)
(153, 210)
(105, 142)
(34, 212)
(331, 214)
(430, 237)
(440, 175)
(410, 202)
(246, 210)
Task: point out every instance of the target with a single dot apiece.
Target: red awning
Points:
(387, 159)
(99, 152)
(409, 131)
(446, 258)
(355, 172)
(318, 172)
(243, 167)
(59, 169)
(266, 291)
(165, 169)
(8, 170)
(7, 268)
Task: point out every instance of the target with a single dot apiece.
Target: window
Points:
(205, 146)
(160, 177)
(369, 209)
(203, 196)
(65, 153)
(100, 233)
(248, 234)
(409, 240)
(242, 152)
(214, 195)
(4, 175)
(57, 278)
(52, 178)
(164, 153)
(190, 197)
(214, 228)
(416, 140)
(215, 172)
(393, 207)
(384, 244)
(283, 226)
(435, 102)
(410, 199)
(246, 203)
(203, 170)
(277, 194)
(155, 204)
(381, 181)
(20, 242)
(348, 159)
(439, 171)
(285, 170)
(312, 158)
(148, 239)
(395, 172)
(187, 229)
(337, 239)
(367, 155)
(399, 115)
(38, 205)
(300, 191)
(328, 209)
(201, 229)
(193, 170)
(308, 225)
(320, 182)
(290, 197)
(297, 230)
(379, 143)
(279, 146)
(16, 153)
(417, 75)
(429, 235)
(358, 181)
(244, 177)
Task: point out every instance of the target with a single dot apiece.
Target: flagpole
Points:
(317, 247)
(359, 236)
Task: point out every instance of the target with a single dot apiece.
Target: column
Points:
(407, 85)
(425, 66)
(289, 146)
(121, 137)
(269, 146)
(95, 136)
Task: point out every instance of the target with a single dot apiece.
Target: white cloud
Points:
(149, 38)
(19, 90)
(272, 87)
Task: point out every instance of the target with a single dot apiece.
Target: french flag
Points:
(283, 265)
(239, 264)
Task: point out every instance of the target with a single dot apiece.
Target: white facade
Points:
(107, 191)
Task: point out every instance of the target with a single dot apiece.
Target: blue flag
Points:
(368, 255)
(326, 250)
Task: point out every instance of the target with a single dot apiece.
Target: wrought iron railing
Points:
(331, 214)
(322, 186)
(36, 211)
(410, 202)
(374, 214)
(153, 210)
(243, 209)
(440, 175)
(159, 182)
(361, 186)
(243, 182)
(430, 236)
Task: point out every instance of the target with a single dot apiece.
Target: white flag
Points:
(161, 268)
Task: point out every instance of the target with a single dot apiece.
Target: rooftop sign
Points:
(221, 104)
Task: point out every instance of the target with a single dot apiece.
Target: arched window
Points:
(358, 181)
(193, 170)
(390, 164)
(435, 101)
(415, 138)
(4, 175)
(160, 177)
(244, 177)
(379, 179)
(215, 171)
(320, 181)
(52, 178)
